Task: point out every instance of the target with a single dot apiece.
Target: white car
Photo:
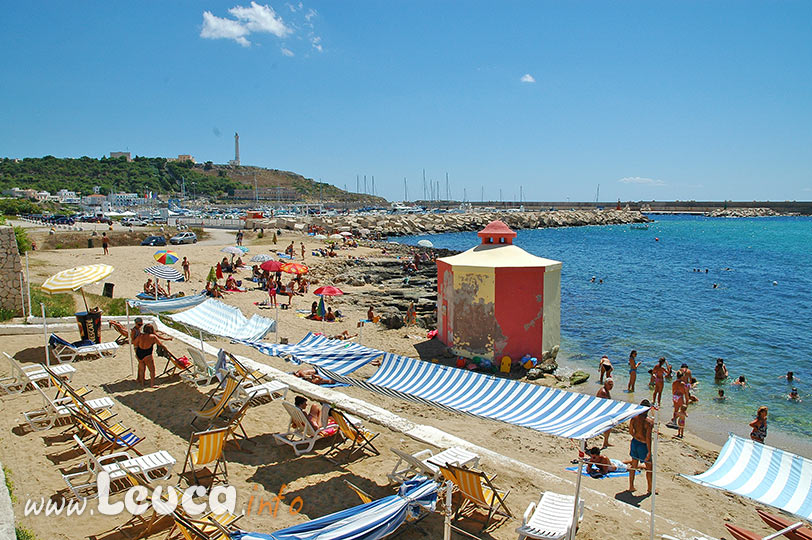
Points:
(184, 238)
(133, 222)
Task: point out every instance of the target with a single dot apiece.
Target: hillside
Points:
(159, 175)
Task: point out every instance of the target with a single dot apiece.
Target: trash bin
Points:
(89, 325)
(108, 290)
(90, 242)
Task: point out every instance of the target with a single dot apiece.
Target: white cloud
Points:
(527, 78)
(316, 42)
(287, 52)
(642, 181)
(310, 14)
(247, 20)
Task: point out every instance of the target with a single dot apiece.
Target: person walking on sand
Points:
(633, 367)
(640, 428)
(303, 250)
(187, 274)
(658, 373)
(239, 238)
(759, 425)
(605, 392)
(105, 244)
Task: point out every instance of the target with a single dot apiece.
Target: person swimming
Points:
(741, 381)
(793, 395)
(720, 396)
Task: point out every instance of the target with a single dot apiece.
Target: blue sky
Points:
(651, 100)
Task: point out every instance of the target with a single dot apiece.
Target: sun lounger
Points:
(201, 372)
(359, 437)
(219, 400)
(428, 464)
(21, 376)
(247, 393)
(65, 351)
(210, 449)
(54, 410)
(209, 527)
(550, 518)
(477, 490)
(778, 523)
(301, 435)
(117, 466)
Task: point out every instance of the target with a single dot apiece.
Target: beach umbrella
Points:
(242, 248)
(74, 279)
(164, 272)
(335, 236)
(345, 233)
(261, 258)
(294, 268)
(364, 231)
(319, 237)
(271, 266)
(233, 250)
(164, 256)
(425, 243)
(212, 277)
(328, 290)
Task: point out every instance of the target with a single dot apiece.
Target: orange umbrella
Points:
(294, 268)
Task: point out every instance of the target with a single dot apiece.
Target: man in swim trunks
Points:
(640, 428)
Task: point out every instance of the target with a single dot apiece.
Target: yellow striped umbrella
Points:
(75, 278)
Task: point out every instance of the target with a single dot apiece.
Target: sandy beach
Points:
(261, 468)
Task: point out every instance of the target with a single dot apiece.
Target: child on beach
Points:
(633, 366)
(681, 416)
(721, 396)
(272, 292)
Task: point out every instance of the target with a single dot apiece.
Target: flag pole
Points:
(45, 333)
(129, 336)
(581, 453)
(656, 438)
(28, 285)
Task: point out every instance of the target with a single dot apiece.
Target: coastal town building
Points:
(497, 300)
(183, 157)
(95, 203)
(123, 199)
(66, 196)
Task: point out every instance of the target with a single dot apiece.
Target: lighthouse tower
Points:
(237, 149)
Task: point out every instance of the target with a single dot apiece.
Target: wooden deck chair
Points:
(301, 435)
(210, 527)
(428, 464)
(550, 518)
(20, 377)
(54, 410)
(210, 449)
(243, 371)
(236, 431)
(255, 384)
(359, 437)
(123, 335)
(118, 466)
(65, 351)
(363, 495)
(477, 490)
(173, 363)
(64, 388)
(117, 436)
(201, 372)
(218, 400)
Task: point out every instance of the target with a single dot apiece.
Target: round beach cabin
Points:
(496, 299)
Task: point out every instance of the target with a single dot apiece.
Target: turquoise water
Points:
(652, 300)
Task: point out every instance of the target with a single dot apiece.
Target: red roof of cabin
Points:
(495, 230)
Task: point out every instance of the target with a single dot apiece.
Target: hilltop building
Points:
(127, 155)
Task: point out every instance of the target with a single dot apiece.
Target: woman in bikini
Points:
(604, 368)
(143, 351)
(658, 373)
(633, 366)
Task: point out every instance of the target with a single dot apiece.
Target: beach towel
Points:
(621, 470)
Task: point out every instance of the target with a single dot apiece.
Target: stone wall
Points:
(11, 269)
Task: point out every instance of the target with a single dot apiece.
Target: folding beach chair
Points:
(210, 449)
(359, 437)
(478, 491)
(209, 527)
(236, 431)
(117, 466)
(21, 376)
(201, 372)
(550, 518)
(173, 363)
(428, 464)
(54, 410)
(219, 400)
(301, 435)
(363, 495)
(65, 351)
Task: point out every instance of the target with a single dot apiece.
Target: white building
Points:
(123, 199)
(65, 196)
(97, 204)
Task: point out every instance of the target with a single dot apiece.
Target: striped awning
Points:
(338, 356)
(219, 319)
(161, 271)
(549, 410)
(168, 304)
(762, 473)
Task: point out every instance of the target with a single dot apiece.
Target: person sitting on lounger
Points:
(239, 263)
(344, 335)
(330, 316)
(311, 375)
(598, 465)
(149, 287)
(314, 414)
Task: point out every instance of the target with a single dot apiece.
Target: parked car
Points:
(133, 222)
(184, 238)
(63, 220)
(154, 241)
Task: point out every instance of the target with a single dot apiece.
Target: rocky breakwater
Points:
(742, 212)
(413, 224)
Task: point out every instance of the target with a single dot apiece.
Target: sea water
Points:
(750, 303)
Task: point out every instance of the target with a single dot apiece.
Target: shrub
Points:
(56, 305)
(7, 314)
(23, 242)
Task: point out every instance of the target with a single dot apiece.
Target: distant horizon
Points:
(663, 101)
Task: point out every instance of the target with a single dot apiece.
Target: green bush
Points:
(23, 242)
(56, 305)
(12, 207)
(7, 314)
(9, 483)
(24, 534)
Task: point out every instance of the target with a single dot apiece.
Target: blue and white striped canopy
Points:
(219, 319)
(549, 410)
(168, 304)
(763, 473)
(369, 521)
(161, 271)
(338, 356)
